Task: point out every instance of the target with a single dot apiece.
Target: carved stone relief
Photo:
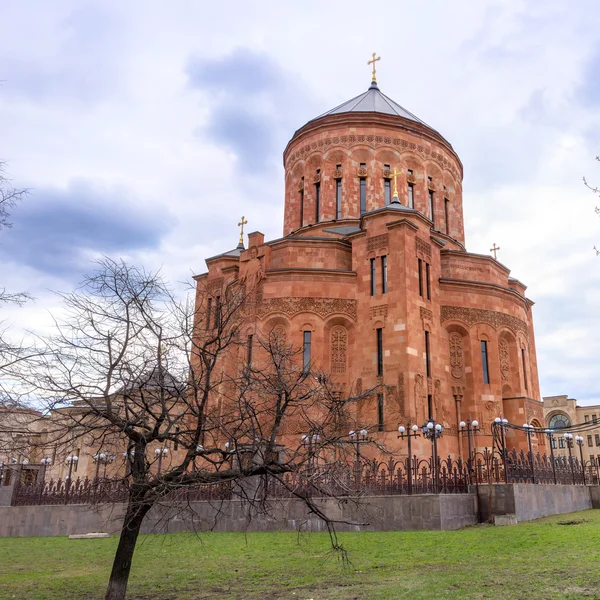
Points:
(339, 343)
(377, 241)
(420, 399)
(471, 316)
(504, 354)
(441, 411)
(423, 248)
(455, 342)
(294, 305)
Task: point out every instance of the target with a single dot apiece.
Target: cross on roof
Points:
(372, 62)
(241, 224)
(495, 249)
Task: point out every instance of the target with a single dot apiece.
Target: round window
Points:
(559, 421)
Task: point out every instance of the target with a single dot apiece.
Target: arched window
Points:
(559, 421)
(339, 342)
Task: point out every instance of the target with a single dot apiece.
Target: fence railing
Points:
(404, 476)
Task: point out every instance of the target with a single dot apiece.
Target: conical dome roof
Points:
(373, 101)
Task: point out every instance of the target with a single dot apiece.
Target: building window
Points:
(338, 198)
(373, 278)
(597, 439)
(429, 406)
(249, 349)
(558, 422)
(302, 204)
(384, 274)
(427, 355)
(411, 192)
(447, 215)
(553, 443)
(363, 191)
(420, 265)
(208, 313)
(427, 282)
(379, 352)
(561, 442)
(387, 187)
(431, 212)
(592, 461)
(594, 418)
(587, 418)
(306, 351)
(484, 361)
(524, 362)
(590, 443)
(318, 199)
(380, 423)
(218, 312)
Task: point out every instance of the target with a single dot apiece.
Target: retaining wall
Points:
(375, 513)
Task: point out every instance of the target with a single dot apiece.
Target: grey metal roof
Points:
(373, 100)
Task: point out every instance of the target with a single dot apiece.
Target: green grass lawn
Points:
(556, 557)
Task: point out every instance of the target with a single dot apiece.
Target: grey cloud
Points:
(54, 229)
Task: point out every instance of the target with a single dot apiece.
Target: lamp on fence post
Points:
(579, 441)
(159, 453)
(470, 428)
(569, 439)
(502, 423)
(528, 431)
(71, 460)
(432, 431)
(358, 438)
(102, 458)
(550, 434)
(409, 432)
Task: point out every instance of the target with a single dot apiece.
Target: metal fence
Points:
(404, 476)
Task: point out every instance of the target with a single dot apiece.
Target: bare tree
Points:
(190, 402)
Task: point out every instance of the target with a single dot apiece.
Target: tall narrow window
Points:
(363, 191)
(318, 199)
(380, 423)
(411, 192)
(379, 352)
(306, 350)
(249, 357)
(484, 362)
(590, 443)
(387, 187)
(420, 267)
(427, 281)
(597, 439)
(338, 198)
(208, 313)
(384, 274)
(447, 215)
(302, 204)
(524, 362)
(587, 418)
(431, 211)
(427, 355)
(218, 312)
(373, 278)
(429, 406)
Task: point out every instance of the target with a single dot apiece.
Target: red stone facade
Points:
(318, 279)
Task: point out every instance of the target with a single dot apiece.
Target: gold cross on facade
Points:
(394, 175)
(495, 249)
(241, 224)
(372, 62)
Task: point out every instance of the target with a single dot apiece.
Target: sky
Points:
(146, 129)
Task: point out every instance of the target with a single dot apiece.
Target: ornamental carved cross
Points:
(241, 224)
(372, 62)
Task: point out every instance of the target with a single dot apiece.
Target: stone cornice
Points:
(489, 287)
(473, 316)
(293, 305)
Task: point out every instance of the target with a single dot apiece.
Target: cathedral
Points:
(372, 280)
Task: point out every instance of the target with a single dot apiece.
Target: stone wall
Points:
(379, 513)
(524, 502)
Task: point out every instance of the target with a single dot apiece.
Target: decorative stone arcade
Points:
(381, 282)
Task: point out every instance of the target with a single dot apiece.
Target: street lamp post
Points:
(432, 431)
(159, 453)
(502, 423)
(579, 441)
(357, 438)
(71, 461)
(409, 432)
(550, 434)
(102, 458)
(310, 441)
(528, 431)
(569, 439)
(470, 428)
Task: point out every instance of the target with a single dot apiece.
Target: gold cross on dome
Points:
(373, 61)
(495, 249)
(241, 224)
(394, 175)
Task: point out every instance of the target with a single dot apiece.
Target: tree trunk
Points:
(119, 576)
